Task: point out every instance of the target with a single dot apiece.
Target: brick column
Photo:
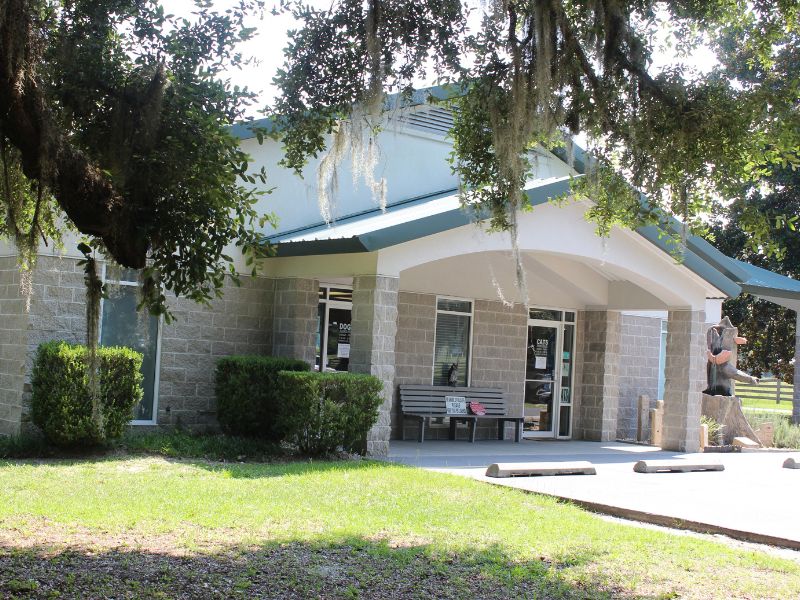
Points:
(374, 328)
(600, 374)
(684, 379)
(796, 396)
(295, 318)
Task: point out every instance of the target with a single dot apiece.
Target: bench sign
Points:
(455, 405)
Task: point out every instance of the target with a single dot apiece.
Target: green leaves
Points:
(142, 96)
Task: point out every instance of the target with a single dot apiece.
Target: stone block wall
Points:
(638, 369)
(685, 379)
(373, 337)
(600, 375)
(241, 322)
(238, 323)
(416, 330)
(13, 346)
(295, 318)
(499, 342)
(499, 338)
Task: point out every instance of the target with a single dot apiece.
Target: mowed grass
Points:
(751, 401)
(785, 406)
(337, 529)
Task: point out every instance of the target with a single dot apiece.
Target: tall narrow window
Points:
(123, 325)
(452, 345)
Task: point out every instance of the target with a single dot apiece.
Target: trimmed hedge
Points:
(322, 412)
(61, 405)
(247, 400)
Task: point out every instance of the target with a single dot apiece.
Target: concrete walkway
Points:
(753, 499)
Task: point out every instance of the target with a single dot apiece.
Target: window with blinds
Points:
(452, 342)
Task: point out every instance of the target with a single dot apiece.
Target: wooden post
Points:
(778, 392)
(703, 435)
(656, 422)
(642, 414)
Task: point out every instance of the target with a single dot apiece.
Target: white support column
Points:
(685, 379)
(796, 396)
(374, 328)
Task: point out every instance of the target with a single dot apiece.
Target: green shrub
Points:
(61, 404)
(26, 446)
(247, 402)
(785, 435)
(716, 436)
(325, 411)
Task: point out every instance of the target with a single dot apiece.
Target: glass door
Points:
(337, 347)
(333, 329)
(541, 379)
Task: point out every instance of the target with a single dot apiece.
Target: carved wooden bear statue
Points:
(722, 340)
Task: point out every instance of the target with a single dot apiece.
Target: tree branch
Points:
(81, 189)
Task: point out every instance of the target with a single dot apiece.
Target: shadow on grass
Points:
(169, 444)
(286, 467)
(351, 568)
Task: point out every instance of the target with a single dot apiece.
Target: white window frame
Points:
(343, 304)
(157, 376)
(471, 316)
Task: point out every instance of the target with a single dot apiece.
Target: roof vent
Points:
(432, 119)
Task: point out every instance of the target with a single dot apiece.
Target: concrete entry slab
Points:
(731, 502)
(533, 469)
(676, 466)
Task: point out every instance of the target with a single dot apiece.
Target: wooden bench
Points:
(422, 402)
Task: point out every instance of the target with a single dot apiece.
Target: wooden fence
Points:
(768, 389)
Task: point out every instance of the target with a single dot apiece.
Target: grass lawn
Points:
(785, 406)
(751, 401)
(154, 527)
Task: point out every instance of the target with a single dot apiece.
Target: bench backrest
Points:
(430, 399)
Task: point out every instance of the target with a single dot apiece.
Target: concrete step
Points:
(676, 466)
(531, 469)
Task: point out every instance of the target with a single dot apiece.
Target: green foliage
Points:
(61, 404)
(769, 328)
(715, 430)
(25, 446)
(324, 411)
(248, 401)
(532, 72)
(336, 59)
(132, 142)
(785, 434)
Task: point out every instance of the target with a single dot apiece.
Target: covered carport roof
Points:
(414, 218)
(767, 285)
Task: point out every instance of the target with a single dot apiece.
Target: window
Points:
(122, 325)
(333, 329)
(545, 314)
(453, 340)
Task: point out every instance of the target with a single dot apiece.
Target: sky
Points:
(268, 44)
